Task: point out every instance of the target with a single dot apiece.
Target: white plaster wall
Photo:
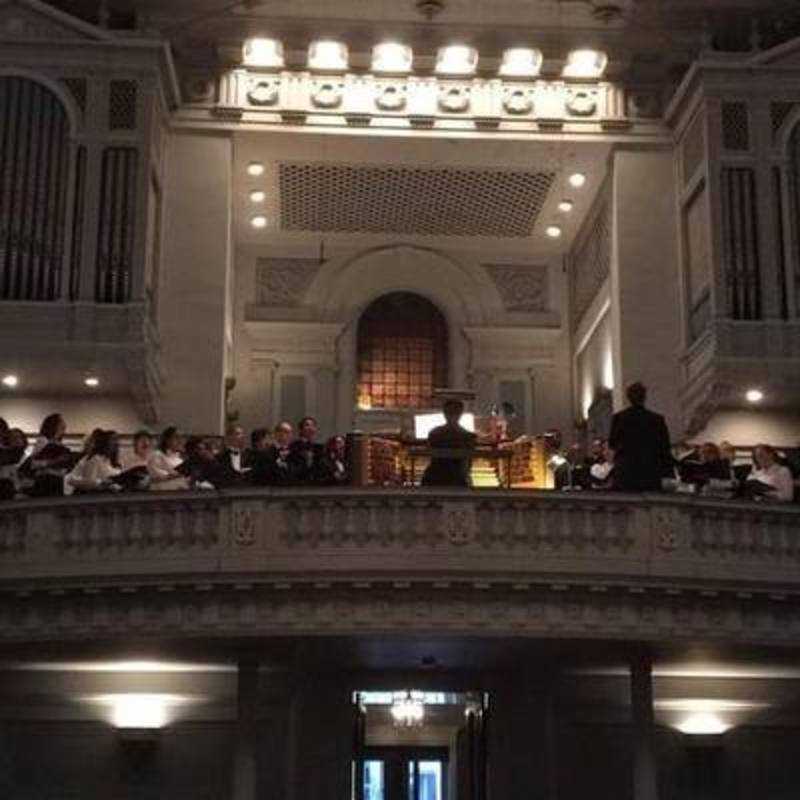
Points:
(81, 415)
(744, 427)
(192, 303)
(594, 367)
(645, 279)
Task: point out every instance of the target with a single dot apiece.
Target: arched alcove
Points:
(35, 191)
(401, 352)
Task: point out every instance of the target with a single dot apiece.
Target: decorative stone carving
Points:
(327, 94)
(517, 100)
(459, 523)
(199, 88)
(522, 288)
(581, 102)
(263, 92)
(283, 282)
(244, 527)
(455, 99)
(391, 97)
(670, 529)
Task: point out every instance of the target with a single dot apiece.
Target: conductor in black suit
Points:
(641, 443)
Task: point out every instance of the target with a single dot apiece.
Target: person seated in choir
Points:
(259, 444)
(43, 472)
(770, 480)
(12, 454)
(140, 452)
(232, 454)
(306, 454)
(204, 469)
(451, 450)
(601, 472)
(273, 466)
(704, 465)
(97, 470)
(164, 462)
(334, 462)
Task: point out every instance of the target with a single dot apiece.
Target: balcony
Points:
(343, 561)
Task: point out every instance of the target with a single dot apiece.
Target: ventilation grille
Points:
(591, 263)
(425, 201)
(693, 148)
(778, 113)
(735, 127)
(122, 105)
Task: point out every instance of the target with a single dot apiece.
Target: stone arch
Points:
(61, 93)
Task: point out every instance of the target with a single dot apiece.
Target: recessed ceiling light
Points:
(265, 53)
(565, 206)
(553, 231)
(259, 221)
(255, 169)
(327, 55)
(258, 196)
(577, 179)
(457, 59)
(754, 395)
(521, 62)
(11, 381)
(92, 382)
(585, 64)
(392, 57)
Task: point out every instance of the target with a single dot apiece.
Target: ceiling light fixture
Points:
(392, 58)
(565, 206)
(586, 64)
(553, 231)
(11, 381)
(326, 55)
(255, 169)
(92, 382)
(259, 221)
(258, 196)
(457, 59)
(408, 709)
(264, 53)
(754, 395)
(577, 180)
(521, 62)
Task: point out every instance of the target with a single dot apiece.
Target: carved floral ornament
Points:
(455, 99)
(518, 100)
(263, 92)
(327, 94)
(581, 102)
(521, 288)
(391, 97)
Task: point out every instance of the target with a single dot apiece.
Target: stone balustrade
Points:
(345, 560)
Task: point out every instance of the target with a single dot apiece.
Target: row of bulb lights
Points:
(395, 58)
(577, 180)
(12, 381)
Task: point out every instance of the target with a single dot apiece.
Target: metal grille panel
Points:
(34, 169)
(117, 225)
(122, 100)
(592, 262)
(735, 126)
(351, 198)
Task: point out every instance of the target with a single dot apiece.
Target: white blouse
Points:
(780, 478)
(161, 468)
(89, 474)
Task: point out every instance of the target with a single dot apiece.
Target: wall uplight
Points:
(265, 53)
(11, 381)
(553, 231)
(255, 169)
(92, 382)
(521, 62)
(258, 196)
(703, 724)
(754, 395)
(577, 180)
(392, 58)
(326, 55)
(589, 64)
(565, 206)
(457, 59)
(259, 221)
(134, 711)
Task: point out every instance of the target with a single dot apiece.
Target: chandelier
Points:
(408, 709)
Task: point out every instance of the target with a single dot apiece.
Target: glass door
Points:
(426, 780)
(399, 773)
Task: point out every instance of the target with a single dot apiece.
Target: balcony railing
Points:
(400, 536)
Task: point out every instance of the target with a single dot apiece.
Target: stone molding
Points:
(522, 288)
(339, 561)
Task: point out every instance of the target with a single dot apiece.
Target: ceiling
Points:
(359, 190)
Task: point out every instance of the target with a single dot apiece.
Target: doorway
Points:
(402, 773)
